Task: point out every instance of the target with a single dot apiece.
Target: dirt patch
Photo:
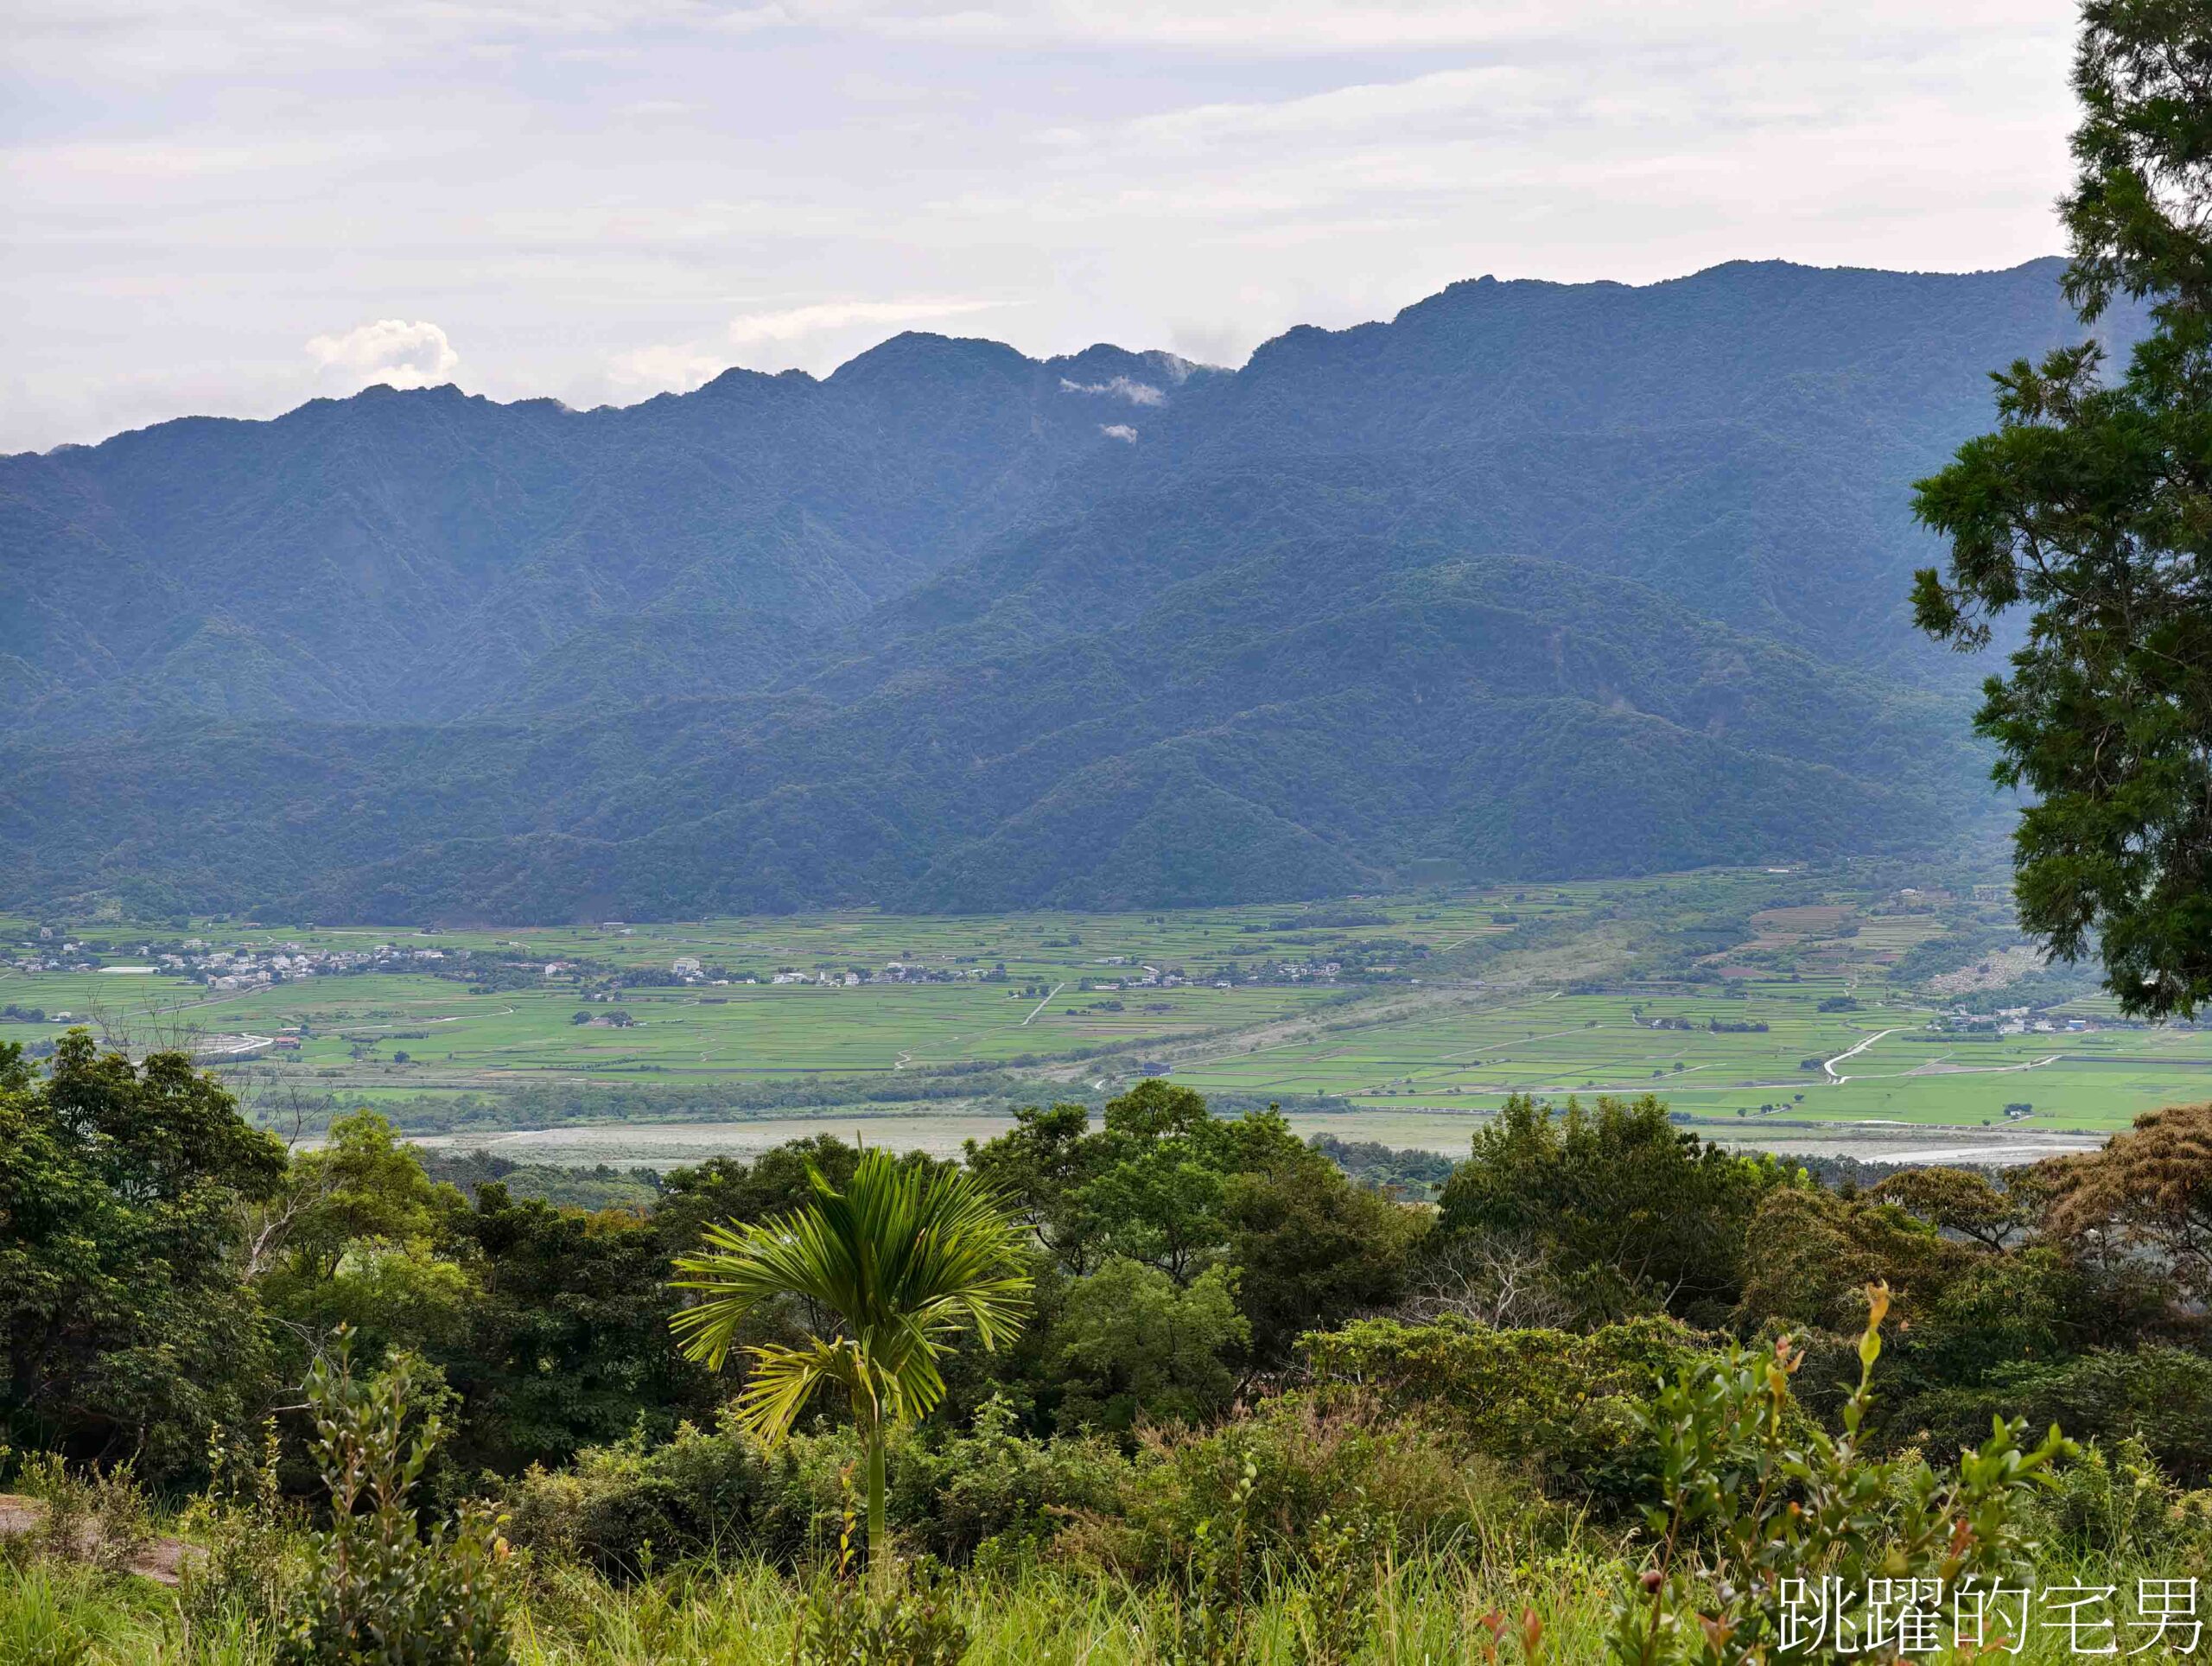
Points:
(161, 1561)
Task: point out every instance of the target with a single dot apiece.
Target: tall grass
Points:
(1429, 1610)
(58, 1614)
(1426, 1612)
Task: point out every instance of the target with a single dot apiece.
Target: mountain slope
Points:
(1537, 579)
(1514, 716)
(425, 555)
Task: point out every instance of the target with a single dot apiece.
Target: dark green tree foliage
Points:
(1129, 1343)
(1560, 1404)
(1164, 1184)
(361, 1238)
(1636, 1213)
(1159, 1173)
(567, 1343)
(549, 1325)
(773, 1183)
(2159, 1393)
(1395, 1170)
(1313, 1249)
(2091, 507)
(124, 1328)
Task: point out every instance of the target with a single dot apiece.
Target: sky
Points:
(233, 207)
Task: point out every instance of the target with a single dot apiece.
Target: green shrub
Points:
(698, 1495)
(915, 1625)
(1280, 1469)
(1754, 1525)
(2160, 1395)
(384, 1593)
(2115, 1504)
(247, 1575)
(705, 1494)
(997, 1487)
(1335, 1591)
(1565, 1405)
(97, 1516)
(840, 1624)
(1209, 1612)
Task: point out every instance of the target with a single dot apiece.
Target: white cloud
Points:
(1121, 387)
(790, 323)
(390, 350)
(777, 338)
(607, 197)
(665, 368)
(149, 43)
(1121, 431)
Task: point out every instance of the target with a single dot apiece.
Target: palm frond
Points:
(784, 1379)
(904, 1260)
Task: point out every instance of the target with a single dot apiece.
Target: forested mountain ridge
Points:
(427, 555)
(1536, 578)
(1513, 715)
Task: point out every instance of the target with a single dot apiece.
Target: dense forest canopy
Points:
(1134, 1329)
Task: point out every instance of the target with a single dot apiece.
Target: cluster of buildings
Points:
(895, 972)
(227, 970)
(2022, 1020)
(1176, 977)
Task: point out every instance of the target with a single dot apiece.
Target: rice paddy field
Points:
(1769, 1006)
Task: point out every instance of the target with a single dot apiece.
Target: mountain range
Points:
(1533, 580)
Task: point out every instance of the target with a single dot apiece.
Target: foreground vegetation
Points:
(1609, 1394)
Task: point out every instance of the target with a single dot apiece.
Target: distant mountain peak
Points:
(962, 628)
(925, 350)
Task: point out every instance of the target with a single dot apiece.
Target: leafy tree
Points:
(1996, 1311)
(893, 1266)
(1039, 1165)
(1129, 1344)
(1631, 1208)
(568, 1343)
(1394, 1170)
(1966, 1312)
(122, 1196)
(2091, 505)
(1972, 1205)
(360, 1237)
(1166, 1183)
(1311, 1248)
(2148, 1191)
(1155, 1191)
(364, 1183)
(1812, 1255)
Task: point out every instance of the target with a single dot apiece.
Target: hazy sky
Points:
(233, 206)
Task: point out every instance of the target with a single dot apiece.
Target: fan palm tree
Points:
(899, 1262)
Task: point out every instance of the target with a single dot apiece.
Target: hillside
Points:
(428, 555)
(1535, 579)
